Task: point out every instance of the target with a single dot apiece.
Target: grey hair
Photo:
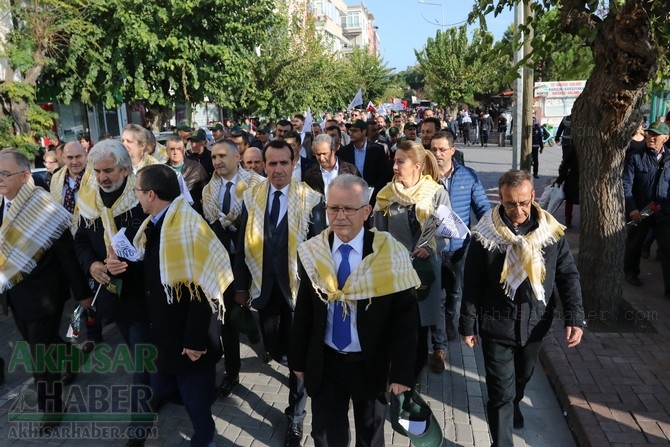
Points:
(110, 148)
(324, 138)
(175, 138)
(141, 134)
(350, 181)
(20, 159)
(514, 178)
(232, 147)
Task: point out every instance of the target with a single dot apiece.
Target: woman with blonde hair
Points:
(403, 207)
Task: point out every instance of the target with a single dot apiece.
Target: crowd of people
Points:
(321, 232)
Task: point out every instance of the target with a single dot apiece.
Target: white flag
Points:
(123, 247)
(357, 101)
(452, 225)
(307, 127)
(381, 110)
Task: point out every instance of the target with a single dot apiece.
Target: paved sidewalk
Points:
(253, 415)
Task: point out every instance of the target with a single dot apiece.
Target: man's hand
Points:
(192, 354)
(300, 375)
(636, 216)
(98, 271)
(573, 335)
(86, 303)
(242, 298)
(420, 253)
(114, 266)
(397, 388)
(470, 340)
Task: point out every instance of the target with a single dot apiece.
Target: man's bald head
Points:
(74, 156)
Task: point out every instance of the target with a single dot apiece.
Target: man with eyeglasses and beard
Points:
(517, 256)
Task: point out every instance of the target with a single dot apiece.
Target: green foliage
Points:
(165, 52)
(453, 67)
(371, 73)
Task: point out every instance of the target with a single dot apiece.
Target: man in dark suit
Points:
(222, 206)
(180, 319)
(278, 213)
(329, 167)
(369, 158)
(114, 194)
(301, 163)
(353, 355)
(39, 273)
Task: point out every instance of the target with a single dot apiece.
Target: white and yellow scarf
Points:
(190, 255)
(91, 207)
(210, 197)
(523, 258)
(301, 200)
(31, 226)
(57, 189)
(145, 161)
(420, 195)
(388, 269)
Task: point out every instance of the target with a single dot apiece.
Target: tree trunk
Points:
(156, 116)
(603, 120)
(528, 94)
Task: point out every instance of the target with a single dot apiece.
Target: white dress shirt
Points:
(355, 257)
(329, 176)
(283, 201)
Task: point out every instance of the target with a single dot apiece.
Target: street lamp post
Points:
(441, 5)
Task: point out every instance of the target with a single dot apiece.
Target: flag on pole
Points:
(357, 101)
(381, 110)
(371, 107)
(307, 127)
(452, 225)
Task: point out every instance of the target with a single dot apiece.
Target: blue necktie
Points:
(274, 211)
(342, 324)
(226, 199)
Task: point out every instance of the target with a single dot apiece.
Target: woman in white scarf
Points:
(402, 208)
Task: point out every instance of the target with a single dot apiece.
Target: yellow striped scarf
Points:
(210, 197)
(91, 207)
(523, 254)
(421, 195)
(57, 189)
(190, 255)
(386, 270)
(301, 200)
(32, 224)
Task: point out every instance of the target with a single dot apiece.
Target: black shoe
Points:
(155, 404)
(293, 435)
(228, 384)
(46, 427)
(633, 280)
(451, 330)
(135, 443)
(518, 417)
(68, 377)
(645, 252)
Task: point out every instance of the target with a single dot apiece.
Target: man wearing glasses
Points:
(466, 193)
(517, 256)
(359, 354)
(38, 274)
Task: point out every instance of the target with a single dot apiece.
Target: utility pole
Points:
(528, 94)
(523, 93)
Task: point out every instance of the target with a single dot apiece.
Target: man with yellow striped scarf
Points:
(222, 206)
(517, 258)
(186, 270)
(279, 213)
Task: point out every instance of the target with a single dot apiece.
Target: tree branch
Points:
(575, 17)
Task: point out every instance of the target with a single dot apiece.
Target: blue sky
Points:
(405, 25)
